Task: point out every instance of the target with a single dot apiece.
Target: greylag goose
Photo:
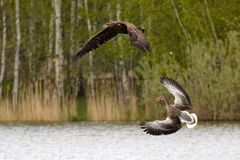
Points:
(110, 30)
(176, 114)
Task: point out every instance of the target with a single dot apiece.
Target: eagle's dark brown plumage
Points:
(112, 29)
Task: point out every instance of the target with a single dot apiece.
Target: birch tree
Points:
(72, 28)
(4, 39)
(124, 77)
(50, 44)
(72, 45)
(90, 79)
(116, 67)
(58, 49)
(78, 71)
(16, 58)
(31, 34)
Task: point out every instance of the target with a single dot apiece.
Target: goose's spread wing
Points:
(164, 127)
(182, 100)
(137, 39)
(107, 33)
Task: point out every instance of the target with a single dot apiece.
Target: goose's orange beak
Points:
(158, 99)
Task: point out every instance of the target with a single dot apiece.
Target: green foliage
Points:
(81, 110)
(209, 70)
(213, 76)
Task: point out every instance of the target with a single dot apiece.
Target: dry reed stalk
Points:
(38, 104)
(106, 107)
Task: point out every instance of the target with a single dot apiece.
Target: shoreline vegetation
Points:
(38, 105)
(195, 43)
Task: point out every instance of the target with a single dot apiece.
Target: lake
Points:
(118, 141)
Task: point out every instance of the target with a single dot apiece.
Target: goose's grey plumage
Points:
(182, 100)
(166, 126)
(112, 29)
(176, 113)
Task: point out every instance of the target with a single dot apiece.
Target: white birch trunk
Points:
(31, 48)
(72, 29)
(124, 77)
(72, 46)
(78, 72)
(50, 44)
(4, 39)
(119, 90)
(16, 59)
(58, 49)
(80, 7)
(90, 79)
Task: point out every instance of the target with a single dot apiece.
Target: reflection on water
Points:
(90, 141)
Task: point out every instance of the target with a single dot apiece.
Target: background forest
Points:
(197, 43)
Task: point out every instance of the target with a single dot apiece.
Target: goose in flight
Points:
(176, 113)
(112, 29)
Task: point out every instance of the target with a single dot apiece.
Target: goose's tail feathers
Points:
(194, 121)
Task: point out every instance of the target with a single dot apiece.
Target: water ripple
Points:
(98, 141)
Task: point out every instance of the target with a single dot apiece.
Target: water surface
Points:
(104, 141)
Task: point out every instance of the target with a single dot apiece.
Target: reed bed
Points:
(109, 104)
(39, 103)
